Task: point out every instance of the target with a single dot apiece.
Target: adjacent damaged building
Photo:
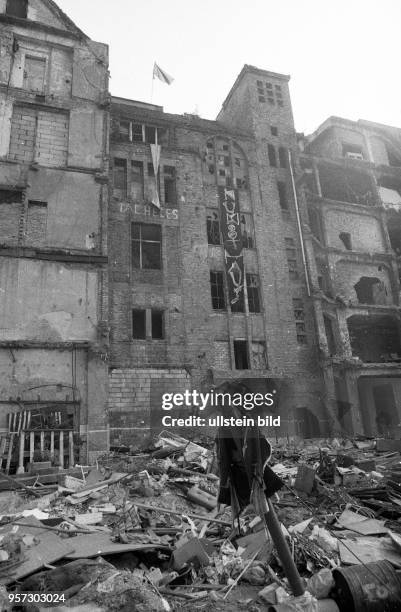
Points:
(352, 183)
(53, 220)
(208, 279)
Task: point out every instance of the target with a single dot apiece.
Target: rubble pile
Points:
(143, 531)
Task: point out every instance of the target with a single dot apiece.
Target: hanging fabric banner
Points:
(155, 150)
(230, 227)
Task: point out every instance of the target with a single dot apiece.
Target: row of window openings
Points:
(282, 156)
(147, 255)
(219, 297)
(137, 179)
(273, 95)
(128, 131)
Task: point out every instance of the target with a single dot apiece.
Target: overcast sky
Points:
(342, 55)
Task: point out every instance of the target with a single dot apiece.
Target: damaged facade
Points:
(175, 321)
(352, 183)
(53, 264)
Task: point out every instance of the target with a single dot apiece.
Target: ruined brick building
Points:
(211, 251)
(53, 219)
(352, 183)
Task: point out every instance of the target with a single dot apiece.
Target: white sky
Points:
(343, 56)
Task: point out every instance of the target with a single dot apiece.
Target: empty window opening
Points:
(331, 342)
(386, 409)
(217, 290)
(394, 159)
(299, 315)
(157, 326)
(146, 246)
(34, 74)
(9, 196)
(345, 238)
(346, 185)
(241, 355)
(394, 232)
(370, 290)
(170, 185)
(273, 130)
(374, 339)
(17, 8)
(213, 226)
(120, 174)
(150, 134)
(258, 355)
(272, 155)
(352, 151)
(291, 253)
(210, 144)
(307, 424)
(315, 222)
(283, 157)
(139, 324)
(247, 231)
(137, 180)
(252, 285)
(282, 194)
(122, 131)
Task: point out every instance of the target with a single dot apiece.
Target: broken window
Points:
(291, 253)
(120, 175)
(137, 181)
(374, 339)
(328, 327)
(136, 132)
(247, 230)
(146, 246)
(150, 134)
(124, 131)
(345, 238)
(282, 195)
(272, 155)
(139, 324)
(299, 315)
(17, 8)
(258, 355)
(36, 222)
(352, 151)
(34, 74)
(170, 185)
(346, 185)
(252, 285)
(370, 290)
(241, 355)
(273, 130)
(147, 323)
(213, 226)
(157, 326)
(217, 290)
(283, 157)
(315, 222)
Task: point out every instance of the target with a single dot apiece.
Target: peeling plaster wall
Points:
(46, 301)
(73, 205)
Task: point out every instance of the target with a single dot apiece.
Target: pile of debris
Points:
(144, 531)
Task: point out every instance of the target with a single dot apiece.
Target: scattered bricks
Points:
(305, 478)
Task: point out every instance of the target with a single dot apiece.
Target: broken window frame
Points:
(39, 59)
(140, 132)
(17, 8)
(217, 292)
(253, 291)
(143, 249)
(247, 230)
(170, 185)
(300, 324)
(253, 364)
(213, 226)
(241, 354)
(346, 239)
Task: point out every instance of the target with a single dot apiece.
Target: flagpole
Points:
(153, 80)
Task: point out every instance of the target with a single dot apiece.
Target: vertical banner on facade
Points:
(232, 241)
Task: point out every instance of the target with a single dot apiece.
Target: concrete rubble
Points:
(143, 531)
